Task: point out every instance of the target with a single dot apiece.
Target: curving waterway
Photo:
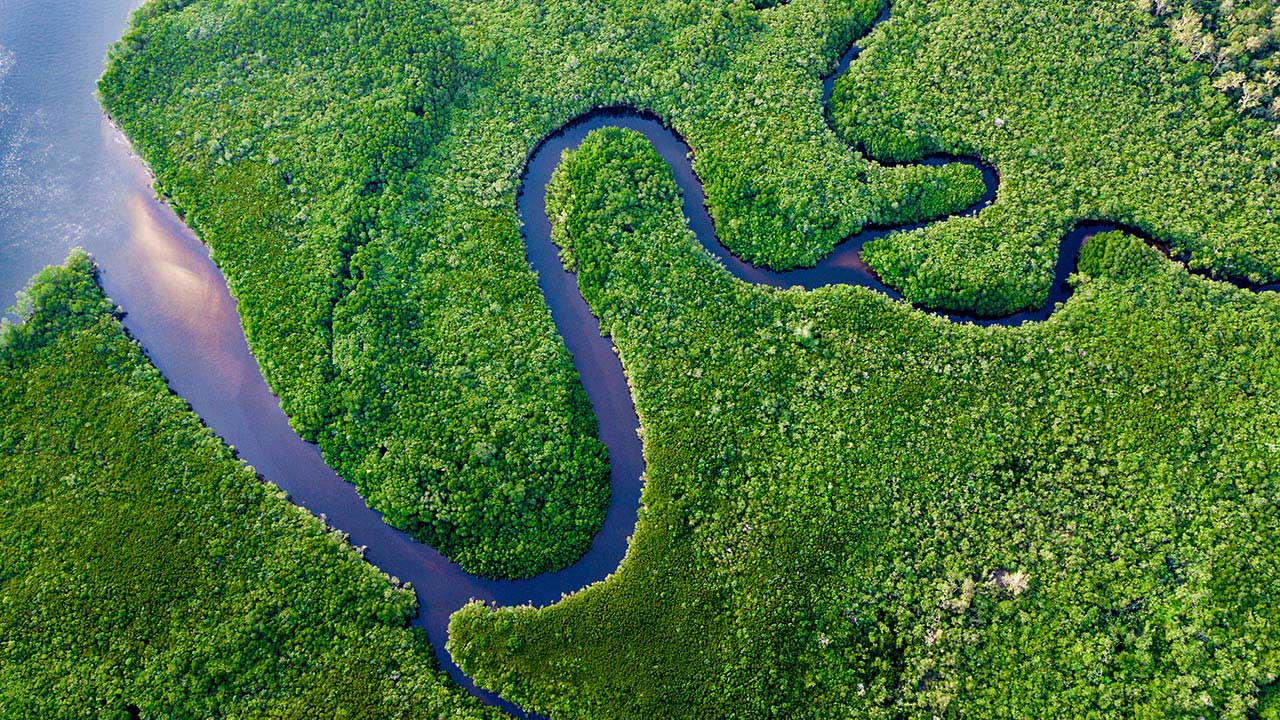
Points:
(68, 178)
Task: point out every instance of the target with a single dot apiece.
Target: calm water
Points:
(68, 179)
(62, 182)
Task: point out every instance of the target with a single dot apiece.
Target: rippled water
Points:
(67, 179)
(61, 180)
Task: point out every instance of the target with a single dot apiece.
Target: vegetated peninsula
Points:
(146, 572)
(853, 508)
(353, 167)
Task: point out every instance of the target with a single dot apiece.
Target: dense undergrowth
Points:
(1089, 111)
(854, 509)
(145, 572)
(353, 167)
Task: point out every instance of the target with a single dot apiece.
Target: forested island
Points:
(917, 498)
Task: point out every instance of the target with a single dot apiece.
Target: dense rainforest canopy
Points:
(852, 508)
(1088, 111)
(352, 165)
(145, 572)
(1235, 39)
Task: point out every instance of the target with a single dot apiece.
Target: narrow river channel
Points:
(68, 178)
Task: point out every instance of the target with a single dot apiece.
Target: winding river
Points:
(87, 189)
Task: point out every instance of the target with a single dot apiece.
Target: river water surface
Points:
(67, 178)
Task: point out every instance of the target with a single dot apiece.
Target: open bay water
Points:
(68, 179)
(62, 182)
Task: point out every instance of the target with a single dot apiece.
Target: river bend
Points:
(92, 191)
(443, 587)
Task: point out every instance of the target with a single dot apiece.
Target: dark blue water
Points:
(67, 178)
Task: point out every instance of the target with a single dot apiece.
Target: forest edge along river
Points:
(177, 302)
(263, 437)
